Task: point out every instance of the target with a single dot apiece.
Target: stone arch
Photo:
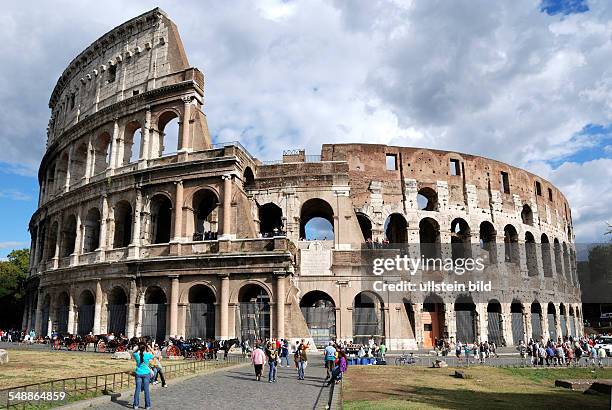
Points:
(160, 218)
(123, 218)
(101, 152)
(69, 234)
(546, 256)
(511, 245)
(319, 310)
(488, 238)
(494, 322)
(465, 315)
(396, 229)
(78, 163)
(365, 225)
(551, 315)
(61, 171)
(317, 220)
(117, 302)
(461, 245)
(248, 178)
(86, 307)
(255, 312)
(154, 313)
(132, 141)
(63, 307)
(527, 215)
(427, 199)
(368, 317)
(201, 318)
(205, 206)
(45, 330)
(270, 220)
(168, 130)
(531, 254)
(429, 237)
(536, 321)
(91, 230)
(558, 257)
(562, 320)
(52, 240)
(517, 312)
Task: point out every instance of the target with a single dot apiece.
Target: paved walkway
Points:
(236, 388)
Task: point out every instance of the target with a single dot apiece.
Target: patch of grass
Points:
(540, 375)
(401, 387)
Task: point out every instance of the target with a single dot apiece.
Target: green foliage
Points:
(13, 273)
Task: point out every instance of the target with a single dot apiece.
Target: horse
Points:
(227, 345)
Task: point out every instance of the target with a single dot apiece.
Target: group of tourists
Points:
(479, 351)
(278, 352)
(148, 368)
(12, 335)
(563, 352)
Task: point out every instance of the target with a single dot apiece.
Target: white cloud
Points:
(15, 195)
(12, 244)
(499, 79)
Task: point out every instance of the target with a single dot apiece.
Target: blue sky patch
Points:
(564, 7)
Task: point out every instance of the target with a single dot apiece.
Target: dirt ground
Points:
(403, 387)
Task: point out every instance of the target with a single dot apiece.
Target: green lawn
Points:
(403, 387)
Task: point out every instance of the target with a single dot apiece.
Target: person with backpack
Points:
(329, 355)
(301, 359)
(142, 374)
(339, 368)
(272, 355)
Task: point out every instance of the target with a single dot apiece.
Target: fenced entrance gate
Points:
(86, 319)
(572, 326)
(255, 320)
(154, 321)
(494, 327)
(44, 325)
(552, 330)
(465, 326)
(116, 319)
(563, 325)
(200, 320)
(321, 322)
(62, 320)
(517, 327)
(536, 326)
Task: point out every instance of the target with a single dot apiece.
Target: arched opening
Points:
(465, 313)
(161, 219)
(116, 311)
(427, 199)
(316, 220)
(248, 178)
(270, 220)
(527, 215)
(530, 253)
(429, 237)
(50, 185)
(79, 164)
(546, 257)
(131, 143)
(368, 318)
(69, 236)
(536, 321)
(91, 230)
(201, 313)
(433, 319)
(572, 321)
(551, 317)
(494, 323)
(61, 173)
(51, 241)
(563, 321)
(254, 302)
(63, 303)
(511, 249)
(86, 307)
(558, 258)
(123, 224)
(566, 263)
(366, 226)
(518, 324)
(154, 314)
(409, 308)
(45, 330)
(205, 210)
(102, 153)
(396, 230)
(460, 239)
(168, 128)
(320, 314)
(488, 240)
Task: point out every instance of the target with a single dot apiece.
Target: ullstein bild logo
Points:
(402, 265)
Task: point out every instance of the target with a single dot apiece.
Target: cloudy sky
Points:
(523, 81)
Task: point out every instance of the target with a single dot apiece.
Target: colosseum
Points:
(145, 226)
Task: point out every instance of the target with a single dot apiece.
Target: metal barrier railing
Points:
(58, 392)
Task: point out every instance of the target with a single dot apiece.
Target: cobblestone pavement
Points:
(236, 388)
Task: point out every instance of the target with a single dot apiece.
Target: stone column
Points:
(558, 319)
(114, 160)
(68, 168)
(38, 313)
(450, 322)
(145, 154)
(131, 310)
(178, 212)
(224, 308)
(185, 126)
(97, 308)
(227, 206)
(71, 321)
(78, 240)
(37, 250)
(89, 165)
(506, 323)
(174, 296)
(544, 322)
(418, 323)
(134, 247)
(527, 325)
(58, 240)
(482, 322)
(280, 304)
(522, 258)
(103, 229)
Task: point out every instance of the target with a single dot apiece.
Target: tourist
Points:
(284, 353)
(158, 370)
(329, 357)
(301, 358)
(382, 350)
(142, 374)
(272, 355)
(339, 368)
(601, 353)
(258, 358)
(458, 350)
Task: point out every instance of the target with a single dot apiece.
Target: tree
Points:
(13, 275)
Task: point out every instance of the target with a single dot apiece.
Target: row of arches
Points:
(72, 165)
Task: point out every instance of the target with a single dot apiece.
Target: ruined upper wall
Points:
(133, 58)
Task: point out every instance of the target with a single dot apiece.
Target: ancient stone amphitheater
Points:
(145, 227)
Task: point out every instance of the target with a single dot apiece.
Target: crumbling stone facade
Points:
(138, 237)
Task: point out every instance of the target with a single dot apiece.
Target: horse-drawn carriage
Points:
(190, 349)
